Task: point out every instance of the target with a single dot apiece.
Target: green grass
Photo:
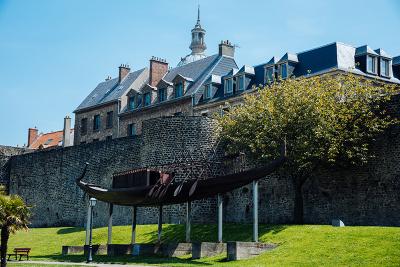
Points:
(299, 245)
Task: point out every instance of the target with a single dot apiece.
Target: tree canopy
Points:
(329, 119)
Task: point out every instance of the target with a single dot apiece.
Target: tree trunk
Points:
(5, 234)
(298, 212)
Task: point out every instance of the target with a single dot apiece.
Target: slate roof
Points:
(396, 60)
(109, 91)
(289, 57)
(201, 69)
(365, 49)
(382, 53)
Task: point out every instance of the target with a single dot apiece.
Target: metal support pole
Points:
(188, 220)
(255, 211)
(110, 223)
(219, 218)
(88, 224)
(90, 258)
(160, 213)
(134, 223)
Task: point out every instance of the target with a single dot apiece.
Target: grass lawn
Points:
(299, 245)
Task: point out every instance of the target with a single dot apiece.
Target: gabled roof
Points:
(272, 61)
(289, 57)
(148, 86)
(231, 73)
(382, 53)
(365, 49)
(214, 79)
(111, 90)
(247, 70)
(182, 77)
(51, 139)
(396, 61)
(164, 83)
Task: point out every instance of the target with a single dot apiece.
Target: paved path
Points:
(27, 263)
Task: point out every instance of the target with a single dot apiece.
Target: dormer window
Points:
(228, 86)
(147, 99)
(162, 94)
(371, 64)
(269, 74)
(241, 82)
(284, 72)
(178, 90)
(131, 103)
(208, 91)
(384, 67)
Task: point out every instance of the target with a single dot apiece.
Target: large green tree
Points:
(325, 120)
(14, 216)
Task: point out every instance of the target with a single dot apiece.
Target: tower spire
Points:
(198, 14)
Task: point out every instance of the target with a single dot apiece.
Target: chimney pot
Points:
(123, 71)
(158, 68)
(226, 49)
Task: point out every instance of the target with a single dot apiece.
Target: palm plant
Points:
(14, 216)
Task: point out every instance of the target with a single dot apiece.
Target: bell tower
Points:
(198, 46)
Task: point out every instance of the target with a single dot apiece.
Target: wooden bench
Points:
(21, 252)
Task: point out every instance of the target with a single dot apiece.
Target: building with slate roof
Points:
(202, 85)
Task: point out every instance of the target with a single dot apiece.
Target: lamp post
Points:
(92, 203)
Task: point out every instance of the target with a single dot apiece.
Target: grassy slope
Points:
(306, 245)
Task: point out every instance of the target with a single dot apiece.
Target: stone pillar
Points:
(134, 223)
(219, 218)
(255, 211)
(88, 222)
(160, 223)
(110, 223)
(188, 221)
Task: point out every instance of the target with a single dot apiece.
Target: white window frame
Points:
(386, 71)
(374, 71)
(239, 88)
(272, 68)
(208, 89)
(230, 80)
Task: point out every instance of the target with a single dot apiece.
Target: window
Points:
(241, 82)
(131, 129)
(132, 103)
(228, 86)
(48, 142)
(108, 138)
(162, 95)
(269, 74)
(385, 67)
(147, 99)
(208, 92)
(284, 73)
(83, 126)
(110, 120)
(178, 90)
(96, 122)
(371, 66)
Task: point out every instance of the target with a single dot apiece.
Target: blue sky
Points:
(53, 53)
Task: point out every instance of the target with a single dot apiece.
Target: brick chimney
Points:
(32, 135)
(123, 71)
(226, 49)
(158, 68)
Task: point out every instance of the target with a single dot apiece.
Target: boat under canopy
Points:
(150, 187)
